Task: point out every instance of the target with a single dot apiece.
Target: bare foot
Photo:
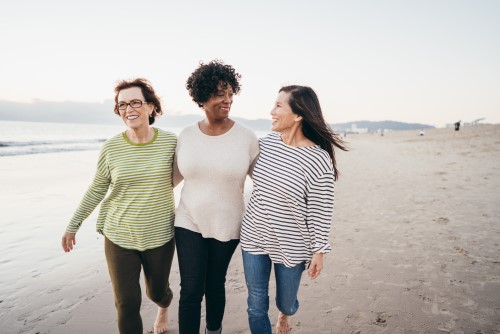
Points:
(161, 322)
(283, 324)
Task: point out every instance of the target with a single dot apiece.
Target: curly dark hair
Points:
(147, 91)
(202, 83)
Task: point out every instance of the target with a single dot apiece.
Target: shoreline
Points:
(414, 240)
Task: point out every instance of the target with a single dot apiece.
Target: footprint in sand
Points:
(442, 220)
(381, 319)
(461, 250)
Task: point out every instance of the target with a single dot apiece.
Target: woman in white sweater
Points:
(213, 157)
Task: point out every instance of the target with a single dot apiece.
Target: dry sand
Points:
(416, 244)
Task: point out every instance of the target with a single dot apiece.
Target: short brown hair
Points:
(147, 91)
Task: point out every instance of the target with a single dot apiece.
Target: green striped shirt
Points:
(139, 211)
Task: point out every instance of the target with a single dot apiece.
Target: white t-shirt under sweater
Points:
(214, 169)
(290, 212)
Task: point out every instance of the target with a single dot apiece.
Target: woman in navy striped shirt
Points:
(288, 218)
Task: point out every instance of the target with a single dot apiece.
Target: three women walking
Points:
(286, 224)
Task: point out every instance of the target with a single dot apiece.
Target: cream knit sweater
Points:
(214, 169)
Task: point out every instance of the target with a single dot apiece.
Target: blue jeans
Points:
(203, 264)
(257, 273)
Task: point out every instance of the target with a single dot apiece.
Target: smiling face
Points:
(134, 118)
(283, 119)
(218, 106)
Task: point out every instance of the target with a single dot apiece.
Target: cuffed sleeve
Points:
(320, 201)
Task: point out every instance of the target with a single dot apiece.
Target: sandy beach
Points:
(415, 236)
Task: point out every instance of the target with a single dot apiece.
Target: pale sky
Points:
(425, 61)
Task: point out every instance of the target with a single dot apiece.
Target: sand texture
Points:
(416, 244)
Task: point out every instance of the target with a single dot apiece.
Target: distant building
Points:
(355, 129)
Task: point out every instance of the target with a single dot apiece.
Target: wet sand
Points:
(416, 243)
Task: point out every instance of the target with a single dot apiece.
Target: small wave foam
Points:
(11, 148)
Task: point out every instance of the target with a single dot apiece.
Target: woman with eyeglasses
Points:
(288, 218)
(137, 217)
(213, 156)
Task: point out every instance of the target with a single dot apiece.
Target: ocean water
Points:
(20, 138)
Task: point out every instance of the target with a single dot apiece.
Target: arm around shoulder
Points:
(254, 153)
(176, 174)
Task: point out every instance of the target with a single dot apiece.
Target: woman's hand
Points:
(316, 266)
(68, 241)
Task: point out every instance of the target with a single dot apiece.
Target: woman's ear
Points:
(298, 118)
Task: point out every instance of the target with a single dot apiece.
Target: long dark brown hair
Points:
(304, 102)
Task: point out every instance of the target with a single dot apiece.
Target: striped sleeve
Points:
(319, 212)
(94, 194)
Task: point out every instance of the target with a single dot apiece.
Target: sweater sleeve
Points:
(320, 212)
(176, 174)
(254, 155)
(94, 195)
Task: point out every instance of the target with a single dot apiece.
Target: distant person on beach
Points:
(213, 156)
(137, 217)
(288, 218)
(457, 126)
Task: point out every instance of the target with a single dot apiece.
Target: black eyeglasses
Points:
(134, 104)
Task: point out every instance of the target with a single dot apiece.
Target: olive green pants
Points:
(124, 267)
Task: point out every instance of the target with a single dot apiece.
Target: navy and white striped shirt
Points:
(290, 212)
